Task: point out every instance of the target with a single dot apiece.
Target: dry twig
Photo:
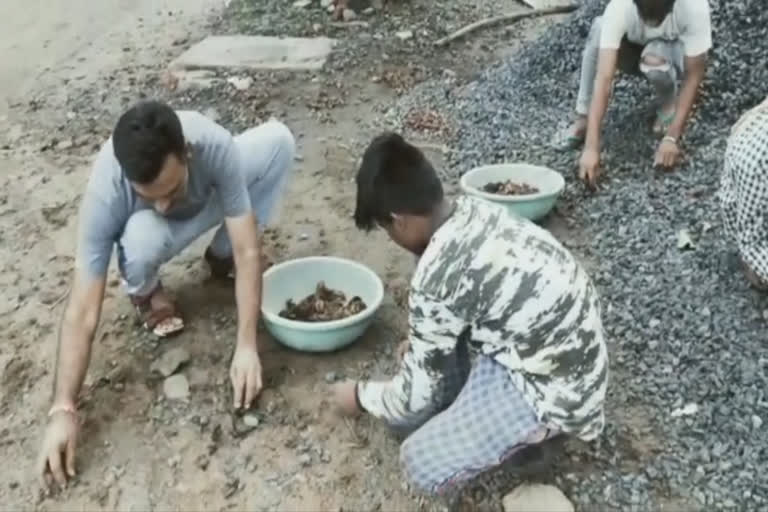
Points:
(504, 18)
(60, 299)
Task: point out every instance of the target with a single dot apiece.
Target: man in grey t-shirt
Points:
(163, 179)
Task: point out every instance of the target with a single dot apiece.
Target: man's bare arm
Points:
(695, 69)
(606, 69)
(243, 233)
(78, 326)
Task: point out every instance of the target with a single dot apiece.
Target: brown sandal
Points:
(157, 313)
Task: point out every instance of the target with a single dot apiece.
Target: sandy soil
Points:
(72, 75)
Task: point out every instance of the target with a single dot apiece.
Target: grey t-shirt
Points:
(214, 168)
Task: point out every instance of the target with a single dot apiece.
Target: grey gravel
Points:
(683, 326)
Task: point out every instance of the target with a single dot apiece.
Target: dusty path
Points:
(43, 42)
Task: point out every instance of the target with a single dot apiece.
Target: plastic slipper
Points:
(663, 122)
(161, 321)
(566, 141)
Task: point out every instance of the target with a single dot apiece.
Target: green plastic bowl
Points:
(534, 206)
(295, 279)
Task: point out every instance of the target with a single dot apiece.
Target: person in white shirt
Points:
(665, 40)
(505, 346)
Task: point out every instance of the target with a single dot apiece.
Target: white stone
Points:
(326, 3)
(348, 15)
(176, 387)
(251, 420)
(302, 4)
(256, 52)
(684, 240)
(241, 83)
(757, 422)
(195, 79)
(537, 498)
(404, 35)
(688, 409)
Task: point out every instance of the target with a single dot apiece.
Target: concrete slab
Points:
(547, 4)
(256, 52)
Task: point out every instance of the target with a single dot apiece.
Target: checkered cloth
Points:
(487, 423)
(744, 190)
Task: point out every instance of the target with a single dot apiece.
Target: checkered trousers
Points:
(744, 190)
(487, 423)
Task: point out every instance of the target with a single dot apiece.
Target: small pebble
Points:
(251, 420)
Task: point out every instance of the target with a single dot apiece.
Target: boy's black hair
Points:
(654, 10)
(143, 138)
(394, 178)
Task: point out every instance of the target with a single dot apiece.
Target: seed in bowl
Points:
(510, 188)
(324, 305)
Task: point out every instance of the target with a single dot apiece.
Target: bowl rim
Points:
(511, 199)
(331, 324)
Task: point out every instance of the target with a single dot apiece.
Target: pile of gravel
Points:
(684, 328)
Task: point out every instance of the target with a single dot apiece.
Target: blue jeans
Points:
(149, 239)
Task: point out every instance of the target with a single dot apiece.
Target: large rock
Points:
(256, 52)
(537, 498)
(176, 387)
(170, 361)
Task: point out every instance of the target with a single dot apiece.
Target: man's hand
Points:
(245, 375)
(667, 154)
(589, 167)
(345, 397)
(57, 455)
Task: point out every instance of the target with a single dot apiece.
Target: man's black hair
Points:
(654, 10)
(394, 178)
(143, 138)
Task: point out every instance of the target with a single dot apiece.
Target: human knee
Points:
(654, 61)
(145, 240)
(283, 140)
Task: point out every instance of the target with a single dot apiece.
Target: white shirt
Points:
(501, 286)
(689, 22)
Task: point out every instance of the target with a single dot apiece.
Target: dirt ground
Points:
(138, 451)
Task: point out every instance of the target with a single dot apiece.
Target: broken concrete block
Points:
(256, 52)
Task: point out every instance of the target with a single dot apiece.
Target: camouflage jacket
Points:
(495, 284)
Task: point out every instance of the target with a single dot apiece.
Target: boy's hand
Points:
(402, 349)
(589, 168)
(667, 155)
(345, 397)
